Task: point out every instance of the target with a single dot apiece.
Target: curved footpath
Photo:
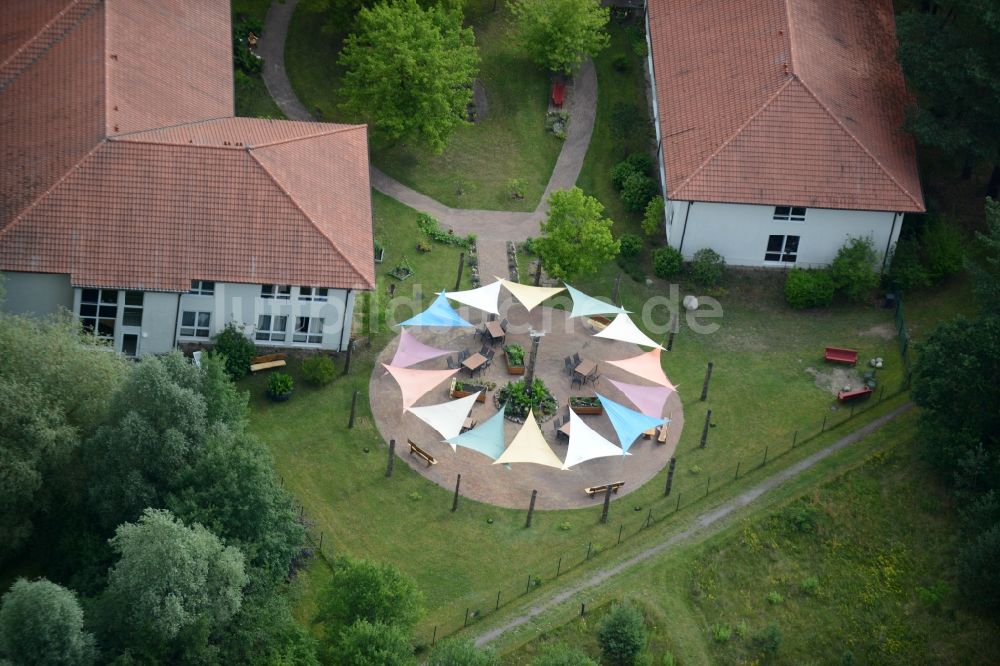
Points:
(493, 228)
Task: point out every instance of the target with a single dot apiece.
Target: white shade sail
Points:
(529, 446)
(447, 417)
(584, 305)
(624, 329)
(529, 296)
(585, 443)
(484, 298)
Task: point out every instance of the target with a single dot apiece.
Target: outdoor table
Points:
(474, 362)
(585, 368)
(564, 428)
(495, 330)
(468, 425)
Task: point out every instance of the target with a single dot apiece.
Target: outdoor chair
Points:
(568, 363)
(481, 332)
(576, 359)
(491, 317)
(593, 377)
(556, 424)
(484, 350)
(503, 325)
(452, 365)
(576, 380)
(464, 355)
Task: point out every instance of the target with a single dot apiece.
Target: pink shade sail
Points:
(649, 399)
(646, 366)
(412, 351)
(415, 383)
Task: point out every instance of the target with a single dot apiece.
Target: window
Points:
(308, 329)
(132, 315)
(789, 214)
(195, 324)
(271, 328)
(279, 291)
(99, 311)
(202, 287)
(317, 294)
(782, 248)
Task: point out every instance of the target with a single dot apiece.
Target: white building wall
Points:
(36, 293)
(740, 232)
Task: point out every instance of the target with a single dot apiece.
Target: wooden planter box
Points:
(455, 393)
(513, 369)
(582, 410)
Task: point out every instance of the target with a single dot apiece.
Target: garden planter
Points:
(513, 369)
(586, 406)
(582, 410)
(467, 390)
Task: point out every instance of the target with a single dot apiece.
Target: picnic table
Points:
(495, 330)
(474, 362)
(585, 368)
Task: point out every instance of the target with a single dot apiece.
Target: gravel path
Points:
(701, 523)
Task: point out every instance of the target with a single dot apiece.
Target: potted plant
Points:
(279, 386)
(460, 389)
(586, 404)
(515, 359)
(379, 251)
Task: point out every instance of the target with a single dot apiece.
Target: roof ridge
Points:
(306, 215)
(739, 130)
(856, 140)
(335, 128)
(121, 135)
(791, 38)
(60, 15)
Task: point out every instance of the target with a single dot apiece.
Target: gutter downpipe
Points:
(687, 214)
(343, 324)
(892, 230)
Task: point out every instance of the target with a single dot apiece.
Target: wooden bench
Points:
(856, 394)
(423, 455)
(840, 355)
(598, 322)
(593, 490)
(558, 93)
(661, 436)
(267, 361)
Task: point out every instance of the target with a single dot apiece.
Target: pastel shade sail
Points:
(647, 366)
(412, 351)
(484, 298)
(529, 446)
(628, 423)
(415, 383)
(584, 305)
(486, 438)
(585, 443)
(528, 295)
(625, 330)
(440, 313)
(447, 417)
(649, 399)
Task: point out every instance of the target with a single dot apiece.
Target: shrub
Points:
(528, 245)
(619, 174)
(775, 598)
(637, 191)
(667, 262)
(243, 57)
(515, 188)
(640, 163)
(943, 246)
(810, 586)
(906, 270)
(236, 348)
(769, 640)
(319, 370)
(721, 633)
(620, 62)
(515, 354)
(707, 267)
(622, 635)
(280, 384)
(801, 517)
(636, 163)
(561, 654)
(808, 288)
(853, 269)
(631, 246)
(653, 220)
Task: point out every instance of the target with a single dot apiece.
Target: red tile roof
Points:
(190, 196)
(773, 102)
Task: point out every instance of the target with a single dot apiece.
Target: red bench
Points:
(558, 93)
(845, 396)
(839, 355)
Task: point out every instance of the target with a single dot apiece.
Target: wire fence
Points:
(902, 336)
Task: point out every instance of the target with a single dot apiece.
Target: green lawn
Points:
(472, 172)
(878, 542)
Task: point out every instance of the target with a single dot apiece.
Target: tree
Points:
(576, 237)
(363, 590)
(172, 586)
(561, 34)
(409, 71)
(977, 572)
(367, 644)
(236, 348)
(987, 276)
(653, 221)
(622, 634)
(562, 655)
(264, 633)
(456, 652)
(853, 269)
(41, 624)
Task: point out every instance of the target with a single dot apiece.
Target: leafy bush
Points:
(810, 586)
(769, 640)
(667, 262)
(722, 633)
(631, 246)
(707, 267)
(943, 246)
(636, 163)
(319, 370)
(622, 635)
(619, 174)
(243, 57)
(801, 517)
(775, 598)
(515, 354)
(236, 348)
(620, 62)
(519, 400)
(808, 288)
(515, 188)
(637, 191)
(853, 269)
(561, 654)
(906, 270)
(528, 245)
(652, 220)
(640, 163)
(978, 577)
(280, 384)
(433, 230)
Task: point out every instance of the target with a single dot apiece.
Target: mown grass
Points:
(856, 570)
(509, 142)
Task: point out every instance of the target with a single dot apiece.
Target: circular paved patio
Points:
(511, 487)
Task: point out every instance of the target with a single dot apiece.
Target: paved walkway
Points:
(700, 524)
(488, 225)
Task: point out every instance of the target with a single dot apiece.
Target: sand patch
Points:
(834, 380)
(883, 331)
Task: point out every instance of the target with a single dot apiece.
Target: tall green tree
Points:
(372, 644)
(947, 49)
(172, 589)
(561, 34)
(986, 275)
(41, 624)
(576, 237)
(622, 634)
(461, 652)
(372, 591)
(409, 71)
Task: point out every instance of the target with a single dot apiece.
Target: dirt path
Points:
(701, 523)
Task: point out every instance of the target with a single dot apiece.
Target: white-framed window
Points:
(132, 314)
(279, 291)
(99, 311)
(317, 294)
(195, 324)
(202, 287)
(308, 329)
(271, 328)
(782, 248)
(789, 214)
